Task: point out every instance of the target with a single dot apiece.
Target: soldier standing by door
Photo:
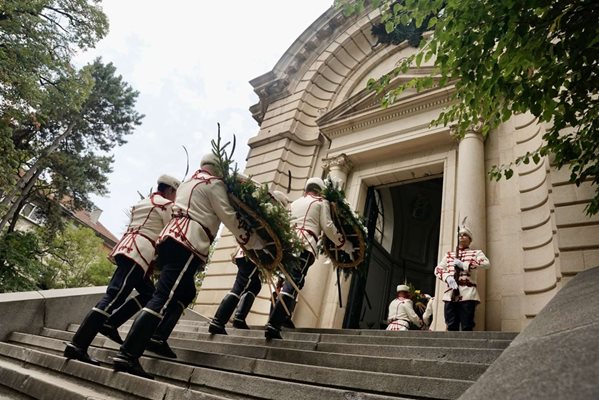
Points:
(133, 256)
(463, 263)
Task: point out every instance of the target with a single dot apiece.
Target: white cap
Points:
(464, 230)
(315, 181)
(210, 163)
(169, 180)
(403, 288)
(209, 158)
(280, 197)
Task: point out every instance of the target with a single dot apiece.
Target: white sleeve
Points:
(167, 213)
(428, 313)
(226, 213)
(327, 225)
(409, 306)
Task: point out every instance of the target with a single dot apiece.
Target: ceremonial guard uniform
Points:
(133, 255)
(401, 311)
(460, 307)
(245, 289)
(310, 215)
(200, 206)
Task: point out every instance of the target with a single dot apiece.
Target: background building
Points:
(414, 182)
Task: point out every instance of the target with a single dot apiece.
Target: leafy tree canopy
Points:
(75, 258)
(37, 41)
(64, 151)
(506, 57)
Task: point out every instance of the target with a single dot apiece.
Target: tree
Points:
(20, 265)
(37, 41)
(78, 122)
(506, 57)
(75, 258)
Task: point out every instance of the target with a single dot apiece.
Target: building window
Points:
(33, 213)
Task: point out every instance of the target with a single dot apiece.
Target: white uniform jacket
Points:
(473, 259)
(311, 215)
(428, 312)
(401, 312)
(148, 218)
(201, 205)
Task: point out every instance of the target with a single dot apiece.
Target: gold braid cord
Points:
(352, 233)
(270, 257)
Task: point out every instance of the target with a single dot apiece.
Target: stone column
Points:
(470, 202)
(320, 275)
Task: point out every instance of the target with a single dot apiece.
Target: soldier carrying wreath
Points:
(310, 215)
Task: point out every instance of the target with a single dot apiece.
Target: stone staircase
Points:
(308, 364)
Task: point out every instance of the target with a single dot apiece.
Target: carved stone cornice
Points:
(374, 114)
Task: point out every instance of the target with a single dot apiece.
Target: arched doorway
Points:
(410, 255)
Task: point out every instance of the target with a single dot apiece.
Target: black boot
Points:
(77, 348)
(118, 318)
(242, 311)
(140, 333)
(158, 343)
(279, 316)
(123, 362)
(127, 359)
(222, 315)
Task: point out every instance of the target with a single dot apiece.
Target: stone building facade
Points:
(414, 182)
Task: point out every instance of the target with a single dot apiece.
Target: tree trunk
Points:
(13, 197)
(24, 194)
(15, 218)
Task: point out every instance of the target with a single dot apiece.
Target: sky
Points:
(191, 61)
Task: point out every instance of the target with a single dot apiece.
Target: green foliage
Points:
(347, 220)
(20, 268)
(37, 40)
(506, 57)
(75, 258)
(79, 121)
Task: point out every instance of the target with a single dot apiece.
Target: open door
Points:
(410, 256)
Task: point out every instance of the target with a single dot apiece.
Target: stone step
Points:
(390, 364)
(39, 384)
(201, 326)
(306, 340)
(285, 350)
(49, 376)
(230, 384)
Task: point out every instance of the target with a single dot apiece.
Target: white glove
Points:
(349, 249)
(255, 243)
(451, 282)
(459, 264)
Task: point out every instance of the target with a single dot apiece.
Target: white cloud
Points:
(192, 62)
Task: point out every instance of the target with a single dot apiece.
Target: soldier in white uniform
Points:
(459, 310)
(245, 289)
(310, 215)
(200, 206)
(133, 255)
(401, 311)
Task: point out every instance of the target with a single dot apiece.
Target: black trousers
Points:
(460, 313)
(247, 279)
(128, 276)
(176, 284)
(298, 273)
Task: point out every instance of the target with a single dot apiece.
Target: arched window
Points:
(379, 229)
